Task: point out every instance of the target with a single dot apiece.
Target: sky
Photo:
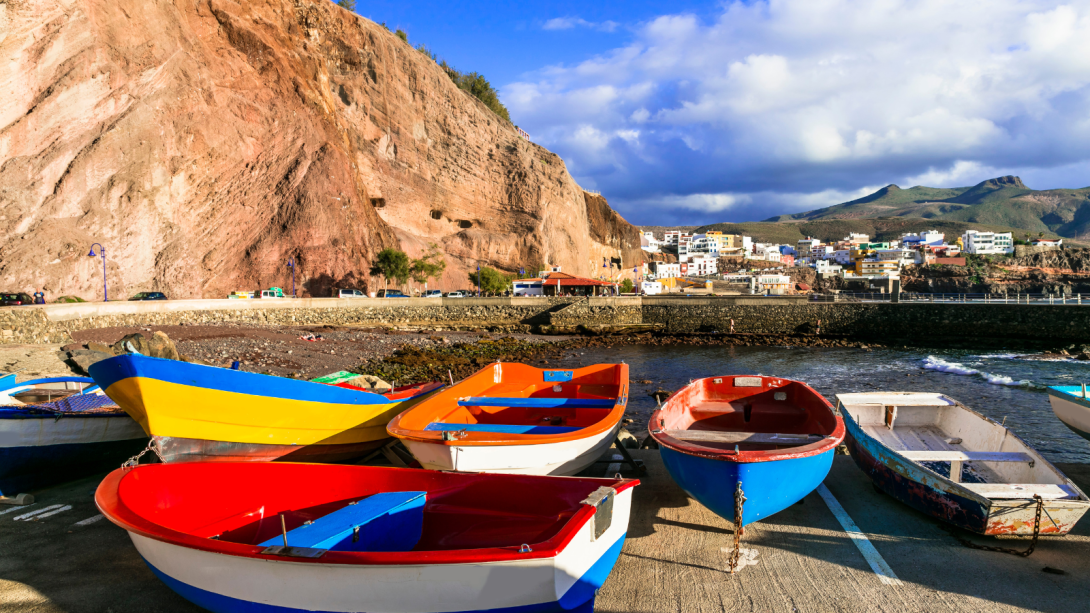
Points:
(689, 112)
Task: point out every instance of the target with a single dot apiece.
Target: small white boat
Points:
(942, 458)
(1071, 406)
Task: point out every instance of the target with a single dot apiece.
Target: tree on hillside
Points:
(492, 280)
(347, 4)
(391, 264)
(479, 86)
(428, 266)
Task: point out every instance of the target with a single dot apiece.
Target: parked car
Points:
(149, 296)
(457, 294)
(349, 293)
(15, 299)
(272, 292)
(391, 293)
(433, 293)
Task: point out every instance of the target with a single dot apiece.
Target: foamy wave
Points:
(956, 368)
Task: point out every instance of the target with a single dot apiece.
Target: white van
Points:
(350, 293)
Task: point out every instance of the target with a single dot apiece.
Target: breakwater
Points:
(920, 323)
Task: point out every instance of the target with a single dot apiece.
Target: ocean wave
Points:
(956, 368)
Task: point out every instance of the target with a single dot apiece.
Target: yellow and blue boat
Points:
(206, 413)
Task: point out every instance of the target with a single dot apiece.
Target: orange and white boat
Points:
(514, 418)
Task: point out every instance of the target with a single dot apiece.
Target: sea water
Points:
(1002, 386)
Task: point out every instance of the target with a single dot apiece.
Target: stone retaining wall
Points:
(919, 322)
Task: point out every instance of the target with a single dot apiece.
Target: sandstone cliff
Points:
(205, 143)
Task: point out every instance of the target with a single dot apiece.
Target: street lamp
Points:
(102, 251)
(291, 265)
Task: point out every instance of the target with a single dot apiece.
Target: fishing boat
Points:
(773, 438)
(60, 428)
(284, 537)
(514, 418)
(195, 412)
(942, 458)
(1071, 406)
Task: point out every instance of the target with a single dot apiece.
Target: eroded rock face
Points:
(205, 143)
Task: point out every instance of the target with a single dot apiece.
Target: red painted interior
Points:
(707, 405)
(601, 381)
(467, 517)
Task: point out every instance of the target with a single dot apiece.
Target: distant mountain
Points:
(1004, 201)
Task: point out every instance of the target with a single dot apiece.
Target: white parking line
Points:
(60, 510)
(89, 520)
(33, 513)
(25, 506)
(875, 559)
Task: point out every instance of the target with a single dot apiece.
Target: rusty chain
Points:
(1024, 554)
(135, 460)
(739, 500)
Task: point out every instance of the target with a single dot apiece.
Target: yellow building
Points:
(877, 267)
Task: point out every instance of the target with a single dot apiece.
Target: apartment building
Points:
(987, 243)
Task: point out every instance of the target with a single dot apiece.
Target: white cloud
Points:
(795, 97)
(568, 23)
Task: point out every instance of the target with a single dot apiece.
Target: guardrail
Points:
(967, 298)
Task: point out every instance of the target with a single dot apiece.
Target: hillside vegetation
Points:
(1002, 202)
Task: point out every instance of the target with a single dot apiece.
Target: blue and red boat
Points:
(775, 438)
(60, 428)
(275, 537)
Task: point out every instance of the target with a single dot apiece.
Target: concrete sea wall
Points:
(919, 322)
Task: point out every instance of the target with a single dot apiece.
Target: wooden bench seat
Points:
(968, 456)
(540, 403)
(1002, 491)
(500, 428)
(388, 521)
(766, 438)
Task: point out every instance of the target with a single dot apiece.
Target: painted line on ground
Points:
(90, 520)
(24, 516)
(19, 508)
(875, 559)
(44, 515)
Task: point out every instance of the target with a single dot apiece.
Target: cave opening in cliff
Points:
(437, 214)
(462, 223)
(378, 203)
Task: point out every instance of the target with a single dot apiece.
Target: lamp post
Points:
(102, 251)
(291, 265)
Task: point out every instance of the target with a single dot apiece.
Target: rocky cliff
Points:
(205, 143)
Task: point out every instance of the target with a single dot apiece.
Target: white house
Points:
(773, 284)
(987, 243)
(649, 243)
(663, 270)
(703, 265)
(826, 267)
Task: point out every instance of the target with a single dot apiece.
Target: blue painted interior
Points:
(7, 381)
(500, 428)
(769, 487)
(544, 403)
(558, 375)
(387, 521)
(110, 371)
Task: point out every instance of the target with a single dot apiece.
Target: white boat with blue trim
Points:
(1072, 407)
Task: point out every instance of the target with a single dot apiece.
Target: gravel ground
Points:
(281, 350)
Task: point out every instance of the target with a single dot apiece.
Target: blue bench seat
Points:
(541, 403)
(500, 428)
(388, 521)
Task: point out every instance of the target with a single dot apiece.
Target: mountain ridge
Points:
(1001, 201)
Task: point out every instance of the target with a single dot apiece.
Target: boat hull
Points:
(37, 451)
(224, 413)
(920, 489)
(1073, 411)
(230, 584)
(173, 449)
(769, 487)
(563, 458)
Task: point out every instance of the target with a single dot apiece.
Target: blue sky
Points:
(694, 112)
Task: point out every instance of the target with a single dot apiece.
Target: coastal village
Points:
(296, 317)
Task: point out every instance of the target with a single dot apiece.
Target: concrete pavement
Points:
(64, 560)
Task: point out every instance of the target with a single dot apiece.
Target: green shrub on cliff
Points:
(347, 5)
(392, 264)
(476, 84)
